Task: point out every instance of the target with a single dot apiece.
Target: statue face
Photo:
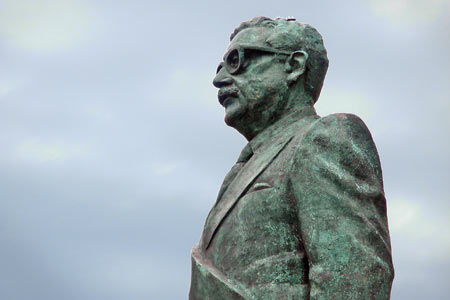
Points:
(251, 80)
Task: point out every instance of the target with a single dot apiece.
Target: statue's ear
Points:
(296, 65)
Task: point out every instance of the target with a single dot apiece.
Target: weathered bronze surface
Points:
(302, 214)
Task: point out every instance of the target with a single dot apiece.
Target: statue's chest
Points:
(262, 223)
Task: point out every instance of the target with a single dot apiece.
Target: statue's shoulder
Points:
(339, 142)
(338, 136)
(339, 127)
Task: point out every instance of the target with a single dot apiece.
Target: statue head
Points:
(271, 67)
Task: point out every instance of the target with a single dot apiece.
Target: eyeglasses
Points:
(234, 59)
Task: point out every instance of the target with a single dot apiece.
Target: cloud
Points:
(402, 214)
(5, 89)
(409, 11)
(193, 85)
(45, 25)
(412, 222)
(127, 273)
(350, 100)
(32, 150)
(163, 169)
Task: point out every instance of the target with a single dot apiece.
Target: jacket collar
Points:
(267, 146)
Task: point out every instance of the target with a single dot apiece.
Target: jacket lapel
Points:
(239, 185)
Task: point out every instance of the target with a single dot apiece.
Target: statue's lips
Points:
(226, 94)
(227, 101)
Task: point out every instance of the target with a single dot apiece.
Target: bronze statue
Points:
(302, 214)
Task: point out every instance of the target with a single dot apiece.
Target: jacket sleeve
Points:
(337, 183)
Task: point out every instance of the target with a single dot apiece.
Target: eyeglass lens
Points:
(232, 60)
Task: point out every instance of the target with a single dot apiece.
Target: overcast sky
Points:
(113, 145)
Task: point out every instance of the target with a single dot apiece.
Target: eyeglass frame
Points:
(241, 49)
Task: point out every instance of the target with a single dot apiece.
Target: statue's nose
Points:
(223, 78)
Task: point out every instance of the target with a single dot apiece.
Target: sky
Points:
(113, 145)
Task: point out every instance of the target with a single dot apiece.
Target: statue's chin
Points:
(230, 120)
(235, 122)
(233, 114)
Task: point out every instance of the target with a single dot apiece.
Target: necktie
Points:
(245, 155)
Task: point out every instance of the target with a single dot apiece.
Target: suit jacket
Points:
(305, 218)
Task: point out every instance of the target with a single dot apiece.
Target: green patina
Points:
(302, 214)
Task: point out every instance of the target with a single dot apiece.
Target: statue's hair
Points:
(290, 35)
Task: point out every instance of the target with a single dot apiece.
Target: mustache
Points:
(225, 92)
